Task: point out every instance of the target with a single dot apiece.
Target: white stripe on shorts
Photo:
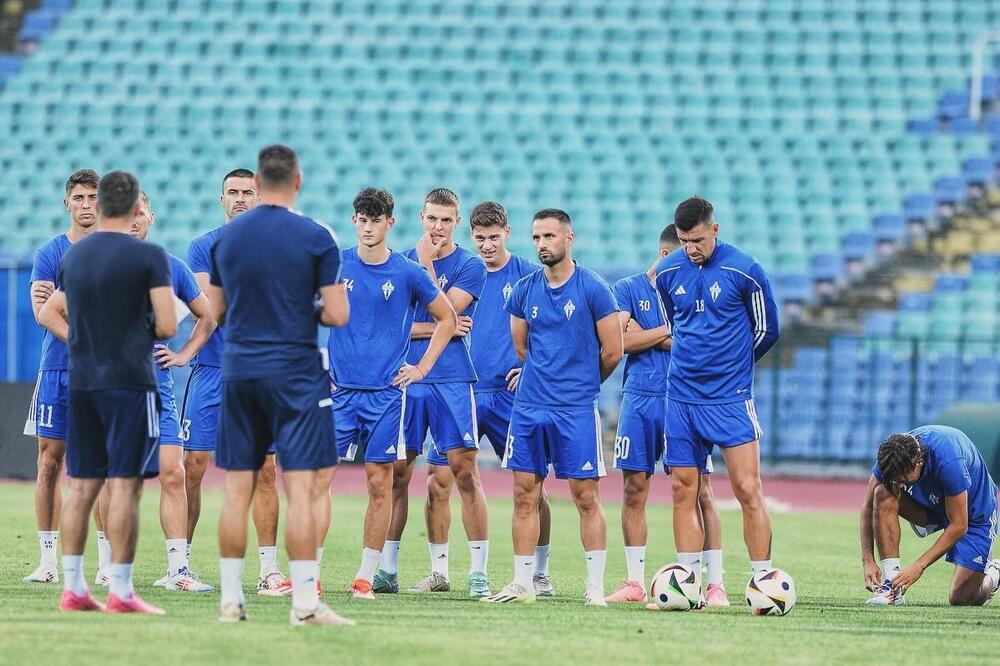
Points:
(401, 437)
(31, 424)
(601, 469)
(475, 417)
(752, 413)
(152, 416)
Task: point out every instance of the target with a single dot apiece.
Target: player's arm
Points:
(519, 335)
(609, 334)
(53, 316)
(41, 291)
(333, 308)
(763, 311)
(204, 326)
(460, 300)
(956, 507)
(872, 573)
(445, 322)
(164, 314)
(216, 302)
(638, 339)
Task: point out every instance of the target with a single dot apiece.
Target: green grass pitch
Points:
(828, 625)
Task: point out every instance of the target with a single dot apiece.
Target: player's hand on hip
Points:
(873, 575)
(513, 377)
(907, 577)
(464, 326)
(407, 375)
(168, 358)
(41, 291)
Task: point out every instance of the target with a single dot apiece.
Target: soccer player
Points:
(114, 300)
(935, 478)
(200, 411)
(496, 362)
(368, 364)
(723, 319)
(566, 329)
(443, 404)
(47, 418)
(173, 497)
(266, 268)
(641, 437)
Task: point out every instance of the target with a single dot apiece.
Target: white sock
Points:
(635, 564)
(542, 559)
(890, 568)
(121, 580)
(231, 580)
(319, 555)
(187, 553)
(390, 557)
(47, 542)
(713, 566)
(479, 554)
(596, 560)
(303, 575)
(524, 568)
(103, 551)
(760, 565)
(175, 555)
(268, 559)
(439, 558)
(73, 574)
(369, 563)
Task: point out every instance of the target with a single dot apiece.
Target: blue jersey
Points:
(953, 465)
(492, 348)
(467, 271)
(369, 351)
(563, 366)
(646, 371)
(45, 268)
(723, 319)
(200, 261)
(186, 289)
(270, 262)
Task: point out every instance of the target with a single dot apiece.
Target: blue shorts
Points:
(693, 430)
(972, 551)
(570, 439)
(113, 434)
(448, 412)
(293, 412)
(493, 409)
(372, 420)
(170, 427)
(200, 410)
(49, 413)
(641, 437)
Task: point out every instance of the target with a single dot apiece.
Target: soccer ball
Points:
(676, 587)
(771, 592)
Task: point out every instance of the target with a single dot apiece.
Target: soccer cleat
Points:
(231, 612)
(885, 595)
(715, 596)
(631, 592)
(45, 573)
(362, 589)
(595, 597)
(103, 578)
(186, 580)
(512, 594)
(479, 585)
(320, 615)
(385, 583)
(133, 604)
(433, 582)
(274, 584)
(543, 585)
(993, 573)
(162, 582)
(79, 602)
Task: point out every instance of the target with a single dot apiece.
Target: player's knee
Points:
(49, 466)
(172, 476)
(467, 480)
(683, 488)
(958, 596)
(437, 490)
(748, 491)
(635, 496)
(267, 480)
(586, 500)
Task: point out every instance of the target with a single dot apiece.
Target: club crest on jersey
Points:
(715, 290)
(507, 288)
(443, 281)
(681, 291)
(569, 309)
(387, 289)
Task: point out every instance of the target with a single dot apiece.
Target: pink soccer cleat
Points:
(79, 602)
(716, 597)
(133, 604)
(631, 592)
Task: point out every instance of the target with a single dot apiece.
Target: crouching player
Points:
(935, 478)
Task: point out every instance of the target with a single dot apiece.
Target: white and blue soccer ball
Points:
(676, 587)
(771, 592)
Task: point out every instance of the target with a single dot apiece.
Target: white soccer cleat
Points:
(433, 582)
(543, 585)
(161, 582)
(885, 595)
(512, 594)
(103, 578)
(274, 584)
(594, 597)
(231, 612)
(185, 580)
(45, 573)
(993, 573)
(321, 615)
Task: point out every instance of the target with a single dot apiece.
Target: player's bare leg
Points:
(635, 532)
(100, 512)
(541, 580)
(525, 530)
(386, 580)
(437, 516)
(48, 501)
(238, 494)
(195, 466)
(887, 510)
(122, 526)
(715, 590)
(689, 533)
(593, 535)
(322, 507)
(377, 518)
(173, 521)
(264, 508)
(75, 515)
(743, 463)
(971, 588)
(465, 468)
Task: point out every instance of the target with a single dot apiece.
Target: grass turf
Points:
(819, 550)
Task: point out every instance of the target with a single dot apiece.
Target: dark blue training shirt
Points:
(271, 262)
(200, 261)
(185, 288)
(45, 268)
(645, 371)
(492, 348)
(370, 350)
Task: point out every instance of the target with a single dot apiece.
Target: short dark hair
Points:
(489, 214)
(236, 173)
(277, 165)
(669, 235)
(117, 194)
(442, 196)
(692, 212)
(556, 213)
(897, 456)
(82, 177)
(373, 202)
